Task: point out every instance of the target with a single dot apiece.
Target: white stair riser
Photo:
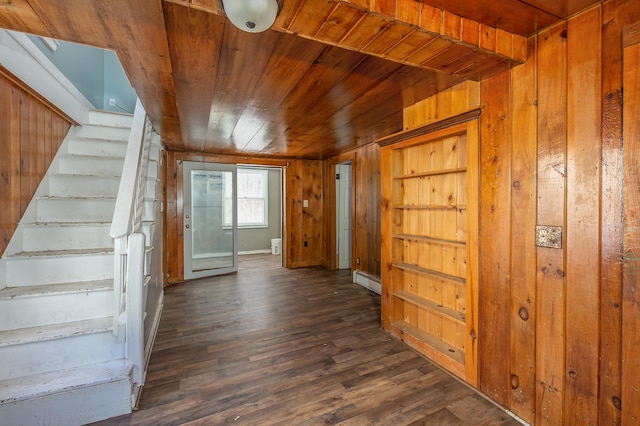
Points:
(150, 189)
(100, 118)
(152, 170)
(38, 270)
(50, 355)
(148, 229)
(93, 166)
(76, 407)
(75, 210)
(103, 132)
(96, 147)
(34, 311)
(65, 237)
(154, 153)
(83, 186)
(148, 210)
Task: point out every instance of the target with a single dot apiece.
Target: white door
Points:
(343, 212)
(210, 219)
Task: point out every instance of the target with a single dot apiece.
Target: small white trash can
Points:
(275, 245)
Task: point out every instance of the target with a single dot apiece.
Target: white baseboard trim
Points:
(263, 251)
(367, 281)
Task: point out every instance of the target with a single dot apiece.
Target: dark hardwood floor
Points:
(271, 346)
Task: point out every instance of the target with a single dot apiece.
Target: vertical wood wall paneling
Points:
(6, 221)
(366, 173)
(631, 266)
(329, 190)
(15, 174)
(550, 337)
(448, 103)
(616, 15)
(472, 323)
(27, 181)
(523, 236)
(583, 217)
(164, 181)
(495, 297)
(305, 223)
(31, 133)
(386, 187)
(365, 199)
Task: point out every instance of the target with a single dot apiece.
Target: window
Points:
(252, 199)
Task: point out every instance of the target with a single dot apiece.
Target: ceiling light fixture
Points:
(253, 16)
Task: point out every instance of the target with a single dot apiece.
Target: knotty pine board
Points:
(631, 266)
(583, 218)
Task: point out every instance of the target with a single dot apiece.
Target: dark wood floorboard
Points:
(272, 346)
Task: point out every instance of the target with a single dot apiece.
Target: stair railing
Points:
(129, 244)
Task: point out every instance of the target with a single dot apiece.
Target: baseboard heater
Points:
(367, 281)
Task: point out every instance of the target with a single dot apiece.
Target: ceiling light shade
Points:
(253, 16)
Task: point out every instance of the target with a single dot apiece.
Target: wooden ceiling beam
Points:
(404, 31)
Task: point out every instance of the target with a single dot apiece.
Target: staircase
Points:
(61, 360)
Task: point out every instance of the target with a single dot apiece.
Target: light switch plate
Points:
(305, 203)
(549, 236)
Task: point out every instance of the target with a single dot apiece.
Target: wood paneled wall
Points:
(365, 242)
(631, 267)
(302, 180)
(551, 149)
(31, 132)
(551, 154)
(304, 224)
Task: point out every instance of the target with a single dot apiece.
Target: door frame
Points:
(187, 167)
(331, 259)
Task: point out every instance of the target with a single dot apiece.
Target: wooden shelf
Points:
(425, 207)
(438, 201)
(410, 237)
(439, 345)
(432, 173)
(421, 302)
(430, 272)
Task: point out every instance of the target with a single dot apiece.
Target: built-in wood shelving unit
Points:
(429, 243)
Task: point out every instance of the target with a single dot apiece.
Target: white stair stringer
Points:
(56, 288)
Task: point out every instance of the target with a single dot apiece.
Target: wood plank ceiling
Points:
(329, 76)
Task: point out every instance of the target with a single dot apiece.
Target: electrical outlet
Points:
(357, 260)
(112, 102)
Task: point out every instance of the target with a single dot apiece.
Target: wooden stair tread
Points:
(103, 198)
(55, 331)
(67, 224)
(52, 289)
(67, 252)
(38, 385)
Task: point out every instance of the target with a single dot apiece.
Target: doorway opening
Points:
(260, 212)
(231, 212)
(343, 215)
